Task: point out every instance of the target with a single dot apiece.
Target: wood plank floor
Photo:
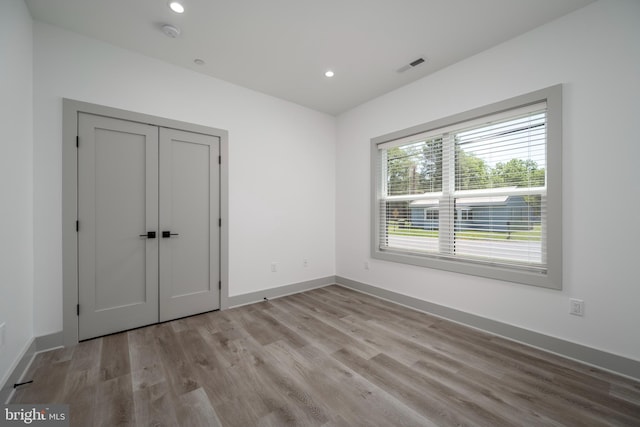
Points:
(329, 356)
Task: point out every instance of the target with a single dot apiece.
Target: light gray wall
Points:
(16, 182)
(281, 161)
(594, 52)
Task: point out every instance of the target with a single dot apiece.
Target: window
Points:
(477, 193)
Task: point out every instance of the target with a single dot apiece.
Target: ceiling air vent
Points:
(410, 65)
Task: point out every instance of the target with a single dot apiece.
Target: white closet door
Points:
(189, 230)
(117, 203)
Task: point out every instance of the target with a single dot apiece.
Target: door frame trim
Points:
(70, 110)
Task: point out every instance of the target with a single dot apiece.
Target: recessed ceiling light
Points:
(329, 73)
(198, 61)
(177, 7)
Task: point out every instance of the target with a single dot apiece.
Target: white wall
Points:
(281, 161)
(595, 53)
(16, 182)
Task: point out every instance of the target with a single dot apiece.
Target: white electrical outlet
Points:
(366, 265)
(274, 267)
(305, 263)
(576, 307)
(3, 326)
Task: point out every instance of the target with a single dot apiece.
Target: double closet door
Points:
(148, 234)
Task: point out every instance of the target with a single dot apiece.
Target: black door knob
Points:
(149, 235)
(167, 234)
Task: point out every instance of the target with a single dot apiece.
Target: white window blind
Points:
(474, 191)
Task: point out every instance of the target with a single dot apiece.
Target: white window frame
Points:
(551, 276)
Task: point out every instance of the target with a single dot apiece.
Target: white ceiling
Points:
(283, 47)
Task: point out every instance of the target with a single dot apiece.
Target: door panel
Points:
(189, 208)
(117, 202)
(120, 218)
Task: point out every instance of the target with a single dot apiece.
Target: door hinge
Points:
(219, 160)
(219, 222)
(77, 309)
(220, 284)
(77, 226)
(77, 141)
